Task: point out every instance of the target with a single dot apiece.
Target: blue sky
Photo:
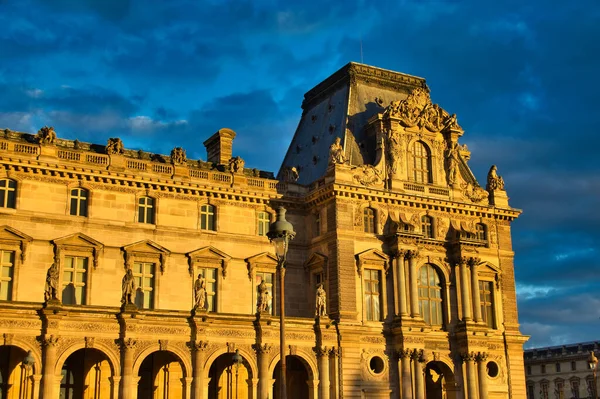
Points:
(521, 76)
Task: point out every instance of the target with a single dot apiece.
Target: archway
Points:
(228, 381)
(296, 379)
(161, 376)
(439, 381)
(86, 374)
(15, 373)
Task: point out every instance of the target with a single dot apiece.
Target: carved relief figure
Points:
(336, 153)
(474, 193)
(51, 287)
(394, 152)
(46, 135)
(290, 174)
(114, 146)
(452, 159)
(200, 293)
(236, 165)
(262, 302)
(321, 302)
(127, 288)
(368, 176)
(494, 182)
(178, 156)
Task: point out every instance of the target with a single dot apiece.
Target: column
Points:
(323, 361)
(411, 255)
(417, 357)
(187, 383)
(48, 369)
(464, 289)
(127, 347)
(406, 377)
(114, 386)
(198, 382)
(401, 283)
(37, 378)
(473, 263)
(481, 359)
(264, 380)
(334, 369)
(469, 359)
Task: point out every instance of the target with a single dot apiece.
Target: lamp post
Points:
(280, 233)
(593, 363)
(237, 361)
(28, 363)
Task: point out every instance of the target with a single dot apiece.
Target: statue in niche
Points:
(452, 158)
(114, 146)
(290, 174)
(494, 182)
(321, 302)
(393, 152)
(178, 156)
(127, 288)
(336, 152)
(262, 302)
(51, 287)
(200, 293)
(236, 165)
(46, 135)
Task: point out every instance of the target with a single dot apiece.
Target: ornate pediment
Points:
(209, 256)
(315, 260)
(418, 110)
(146, 249)
(78, 242)
(13, 237)
(265, 259)
(372, 257)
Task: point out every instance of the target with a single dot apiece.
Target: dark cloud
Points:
(521, 76)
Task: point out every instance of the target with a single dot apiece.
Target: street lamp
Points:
(593, 362)
(280, 233)
(28, 363)
(237, 361)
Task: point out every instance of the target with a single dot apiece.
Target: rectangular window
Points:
(369, 220)
(8, 191)
(573, 366)
(544, 389)
(591, 388)
(268, 279)
(486, 295)
(263, 223)
(207, 217)
(560, 390)
(317, 224)
(427, 226)
(74, 280)
(575, 389)
(143, 273)
(528, 370)
(372, 292)
(530, 392)
(210, 277)
(6, 278)
(558, 367)
(543, 369)
(146, 210)
(79, 202)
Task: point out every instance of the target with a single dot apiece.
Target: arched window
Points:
(207, 217)
(430, 295)
(369, 220)
(8, 193)
(79, 202)
(427, 226)
(480, 233)
(146, 210)
(422, 163)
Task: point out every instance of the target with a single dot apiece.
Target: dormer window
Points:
(480, 233)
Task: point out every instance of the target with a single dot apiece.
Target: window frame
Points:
(152, 206)
(209, 258)
(484, 305)
(265, 222)
(365, 279)
(369, 220)
(5, 193)
(10, 280)
(441, 300)
(147, 251)
(63, 269)
(428, 227)
(317, 264)
(141, 277)
(373, 259)
(70, 209)
(422, 172)
(211, 210)
(13, 240)
(264, 262)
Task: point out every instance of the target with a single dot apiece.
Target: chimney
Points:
(219, 146)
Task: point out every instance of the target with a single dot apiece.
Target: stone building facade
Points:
(561, 372)
(127, 274)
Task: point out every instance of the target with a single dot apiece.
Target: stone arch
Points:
(440, 380)
(247, 355)
(113, 358)
(442, 267)
(36, 351)
(183, 356)
(307, 360)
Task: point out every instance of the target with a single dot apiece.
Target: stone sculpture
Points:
(200, 293)
(262, 303)
(127, 288)
(114, 146)
(51, 287)
(46, 135)
(494, 182)
(321, 302)
(336, 153)
(178, 156)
